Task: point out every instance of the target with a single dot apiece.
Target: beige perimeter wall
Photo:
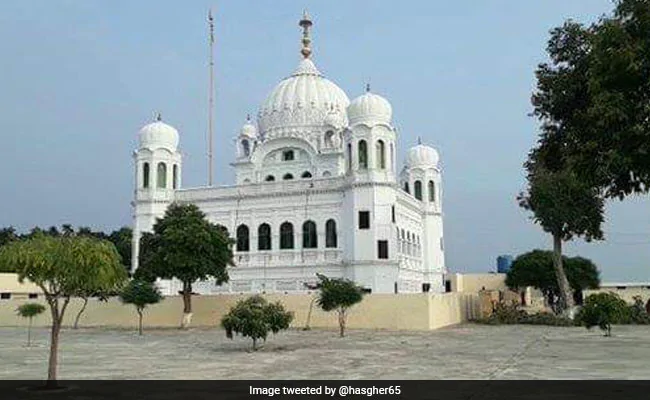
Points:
(420, 311)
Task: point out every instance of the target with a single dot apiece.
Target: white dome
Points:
(158, 135)
(422, 156)
(370, 108)
(248, 130)
(304, 99)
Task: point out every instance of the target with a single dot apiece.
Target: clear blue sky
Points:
(79, 78)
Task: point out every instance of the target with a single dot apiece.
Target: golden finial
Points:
(305, 23)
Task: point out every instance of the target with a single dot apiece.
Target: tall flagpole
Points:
(211, 99)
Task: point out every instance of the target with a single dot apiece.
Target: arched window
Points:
(175, 177)
(329, 139)
(349, 156)
(363, 154)
(245, 147)
(327, 174)
(287, 177)
(286, 236)
(406, 187)
(264, 237)
(162, 175)
(330, 233)
(381, 155)
(269, 178)
(309, 236)
(418, 190)
(432, 191)
(306, 174)
(243, 240)
(145, 175)
(392, 156)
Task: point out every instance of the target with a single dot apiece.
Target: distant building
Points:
(626, 290)
(11, 289)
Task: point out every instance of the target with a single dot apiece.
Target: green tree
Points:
(121, 238)
(338, 294)
(60, 266)
(254, 317)
(536, 269)
(30, 310)
(603, 310)
(140, 294)
(186, 246)
(565, 207)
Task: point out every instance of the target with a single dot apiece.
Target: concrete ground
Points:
(461, 352)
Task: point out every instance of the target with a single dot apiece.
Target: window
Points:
(287, 177)
(306, 174)
(432, 191)
(175, 176)
(286, 236)
(327, 174)
(269, 178)
(349, 156)
(5, 296)
(330, 233)
(418, 190)
(329, 139)
(162, 175)
(243, 243)
(392, 156)
(287, 155)
(33, 295)
(442, 244)
(245, 147)
(264, 237)
(363, 154)
(392, 213)
(426, 287)
(381, 155)
(382, 249)
(145, 175)
(406, 187)
(364, 219)
(309, 236)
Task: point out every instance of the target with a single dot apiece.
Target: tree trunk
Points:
(311, 306)
(254, 344)
(187, 305)
(562, 281)
(341, 323)
(57, 320)
(29, 332)
(83, 308)
(139, 322)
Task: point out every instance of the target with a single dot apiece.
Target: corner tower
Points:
(157, 176)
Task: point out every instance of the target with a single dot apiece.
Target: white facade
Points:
(317, 190)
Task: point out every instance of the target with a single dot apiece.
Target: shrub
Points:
(603, 310)
(510, 314)
(254, 317)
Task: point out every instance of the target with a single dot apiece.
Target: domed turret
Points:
(422, 156)
(248, 130)
(370, 108)
(158, 135)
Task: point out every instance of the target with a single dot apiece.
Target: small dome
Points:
(158, 135)
(248, 130)
(370, 108)
(422, 156)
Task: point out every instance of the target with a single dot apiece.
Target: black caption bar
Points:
(385, 390)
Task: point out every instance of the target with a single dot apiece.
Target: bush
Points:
(604, 310)
(511, 314)
(637, 313)
(255, 318)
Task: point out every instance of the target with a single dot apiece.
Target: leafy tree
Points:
(61, 266)
(186, 246)
(338, 294)
(536, 269)
(565, 207)
(603, 310)
(140, 294)
(30, 310)
(121, 238)
(254, 317)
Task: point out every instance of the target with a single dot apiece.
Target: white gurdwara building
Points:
(317, 191)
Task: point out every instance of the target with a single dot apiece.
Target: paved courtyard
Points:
(461, 352)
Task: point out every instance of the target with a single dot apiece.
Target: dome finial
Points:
(248, 117)
(419, 139)
(368, 87)
(158, 116)
(305, 23)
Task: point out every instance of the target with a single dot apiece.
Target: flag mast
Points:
(211, 99)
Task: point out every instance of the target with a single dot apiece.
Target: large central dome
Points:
(302, 100)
